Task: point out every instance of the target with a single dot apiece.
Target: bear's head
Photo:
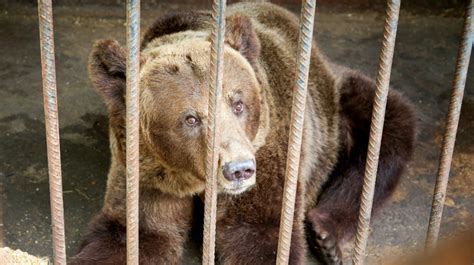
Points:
(174, 89)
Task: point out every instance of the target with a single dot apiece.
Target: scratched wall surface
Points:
(423, 68)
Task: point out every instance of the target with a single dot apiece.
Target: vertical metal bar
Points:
(216, 72)
(45, 15)
(2, 203)
(132, 115)
(296, 129)
(376, 129)
(457, 93)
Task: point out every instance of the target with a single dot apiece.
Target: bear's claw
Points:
(324, 245)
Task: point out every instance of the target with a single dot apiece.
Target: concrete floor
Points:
(423, 69)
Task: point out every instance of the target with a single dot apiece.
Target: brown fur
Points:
(259, 64)
(336, 212)
(173, 23)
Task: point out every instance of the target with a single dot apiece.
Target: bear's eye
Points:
(192, 121)
(238, 107)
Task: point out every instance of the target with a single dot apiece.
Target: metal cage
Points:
(295, 137)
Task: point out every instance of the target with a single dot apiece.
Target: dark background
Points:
(428, 4)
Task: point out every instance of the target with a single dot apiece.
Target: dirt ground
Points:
(423, 69)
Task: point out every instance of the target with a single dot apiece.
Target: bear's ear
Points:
(239, 34)
(107, 68)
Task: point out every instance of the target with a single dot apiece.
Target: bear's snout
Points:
(237, 166)
(241, 170)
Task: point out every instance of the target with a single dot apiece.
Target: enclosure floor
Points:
(423, 69)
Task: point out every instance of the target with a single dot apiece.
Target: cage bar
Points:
(376, 129)
(216, 73)
(454, 111)
(48, 68)
(296, 129)
(132, 127)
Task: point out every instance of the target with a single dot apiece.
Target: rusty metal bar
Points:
(457, 93)
(216, 72)
(132, 115)
(376, 129)
(296, 130)
(45, 15)
(2, 217)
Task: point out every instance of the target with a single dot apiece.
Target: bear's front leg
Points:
(165, 221)
(256, 244)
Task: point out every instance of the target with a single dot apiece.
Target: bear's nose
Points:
(242, 170)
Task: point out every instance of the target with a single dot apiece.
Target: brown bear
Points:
(259, 75)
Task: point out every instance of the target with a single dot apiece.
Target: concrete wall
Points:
(349, 3)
